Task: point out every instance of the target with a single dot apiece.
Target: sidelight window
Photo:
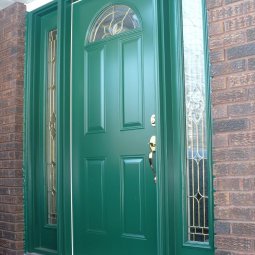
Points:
(41, 131)
(197, 165)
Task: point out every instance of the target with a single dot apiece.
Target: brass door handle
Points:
(152, 145)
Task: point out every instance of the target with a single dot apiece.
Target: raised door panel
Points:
(94, 90)
(95, 194)
(132, 197)
(132, 95)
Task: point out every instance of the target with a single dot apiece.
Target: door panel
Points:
(132, 83)
(132, 197)
(94, 90)
(113, 98)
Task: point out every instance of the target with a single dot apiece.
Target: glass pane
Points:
(195, 100)
(51, 128)
(114, 20)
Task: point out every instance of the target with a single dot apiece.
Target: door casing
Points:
(170, 115)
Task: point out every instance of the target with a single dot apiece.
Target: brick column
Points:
(232, 46)
(12, 25)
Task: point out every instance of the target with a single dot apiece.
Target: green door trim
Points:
(63, 192)
(34, 212)
(171, 101)
(173, 90)
(63, 106)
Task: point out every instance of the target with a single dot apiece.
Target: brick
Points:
(241, 109)
(241, 51)
(234, 169)
(11, 226)
(230, 1)
(12, 218)
(227, 40)
(232, 125)
(228, 67)
(251, 64)
(11, 129)
(214, 3)
(217, 56)
(250, 34)
(218, 83)
(15, 236)
(246, 139)
(249, 184)
(227, 184)
(241, 80)
(216, 28)
(216, 42)
(239, 23)
(11, 173)
(221, 198)
(230, 96)
(11, 199)
(237, 154)
(252, 124)
(219, 112)
(243, 229)
(220, 252)
(220, 141)
(234, 243)
(235, 213)
(230, 11)
(222, 227)
(252, 94)
(242, 199)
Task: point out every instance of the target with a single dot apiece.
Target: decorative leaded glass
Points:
(114, 20)
(196, 129)
(51, 128)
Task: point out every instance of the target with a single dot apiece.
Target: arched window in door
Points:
(114, 20)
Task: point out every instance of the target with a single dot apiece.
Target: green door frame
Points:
(34, 133)
(170, 116)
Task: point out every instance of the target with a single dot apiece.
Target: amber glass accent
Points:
(51, 128)
(196, 129)
(114, 20)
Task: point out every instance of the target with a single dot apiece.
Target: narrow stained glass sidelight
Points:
(114, 20)
(196, 143)
(51, 128)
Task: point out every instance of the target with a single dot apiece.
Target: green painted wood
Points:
(26, 128)
(40, 236)
(63, 128)
(170, 130)
(113, 94)
(178, 165)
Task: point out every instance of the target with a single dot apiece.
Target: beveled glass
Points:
(196, 129)
(114, 20)
(51, 129)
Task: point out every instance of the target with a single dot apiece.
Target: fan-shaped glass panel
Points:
(114, 20)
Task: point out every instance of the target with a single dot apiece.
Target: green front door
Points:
(113, 99)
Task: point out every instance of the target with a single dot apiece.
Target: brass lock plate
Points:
(153, 143)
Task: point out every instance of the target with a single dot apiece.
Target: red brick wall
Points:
(11, 108)
(232, 46)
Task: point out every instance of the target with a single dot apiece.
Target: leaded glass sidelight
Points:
(51, 128)
(114, 20)
(196, 119)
